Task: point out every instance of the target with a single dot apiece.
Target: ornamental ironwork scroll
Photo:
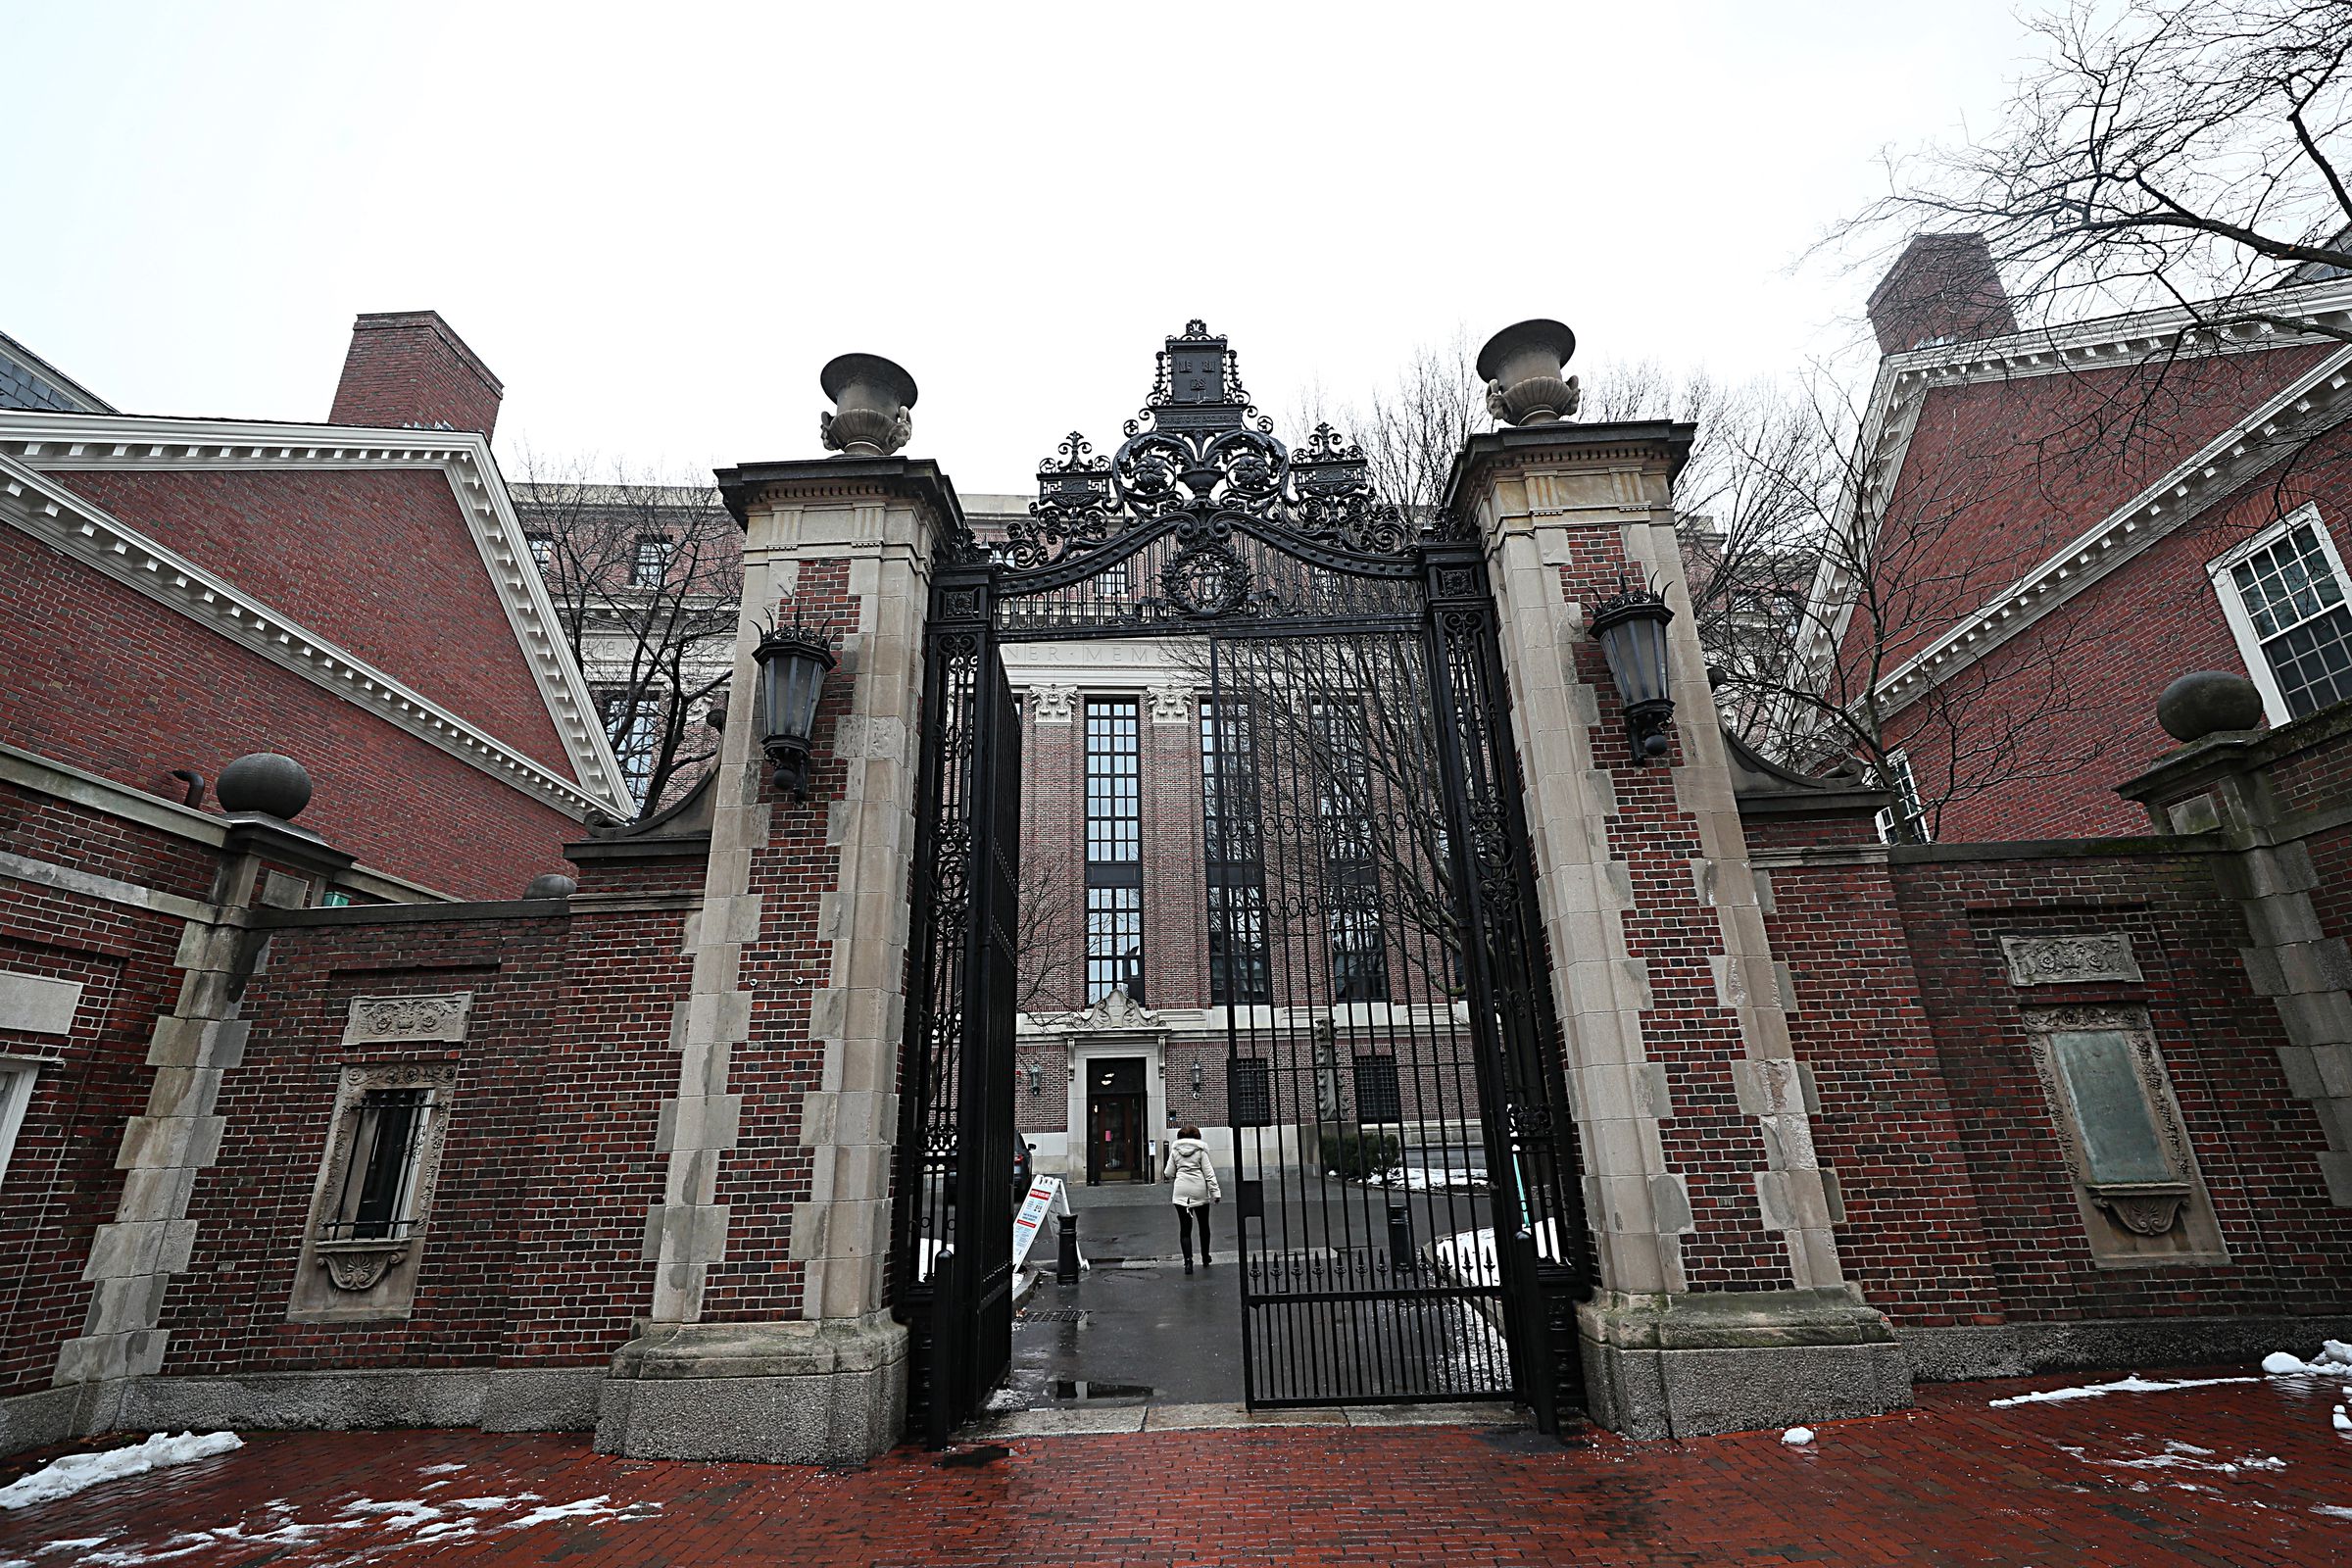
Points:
(1202, 469)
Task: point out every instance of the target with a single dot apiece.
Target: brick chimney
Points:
(408, 368)
(1942, 289)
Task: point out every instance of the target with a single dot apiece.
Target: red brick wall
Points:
(2051, 721)
(379, 561)
(2256, 1146)
(146, 691)
(408, 368)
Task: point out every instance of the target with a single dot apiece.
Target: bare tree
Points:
(646, 578)
(2182, 152)
(1047, 940)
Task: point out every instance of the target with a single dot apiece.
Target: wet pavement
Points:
(1128, 1334)
(2247, 1474)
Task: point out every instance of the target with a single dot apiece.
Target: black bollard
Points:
(1401, 1239)
(1065, 1266)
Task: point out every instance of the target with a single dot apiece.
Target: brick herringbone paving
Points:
(2242, 1474)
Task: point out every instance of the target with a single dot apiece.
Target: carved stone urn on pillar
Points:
(871, 398)
(1525, 369)
(1722, 1301)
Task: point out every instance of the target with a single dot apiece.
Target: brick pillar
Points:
(1723, 1305)
(770, 1337)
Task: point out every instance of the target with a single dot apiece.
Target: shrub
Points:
(1360, 1155)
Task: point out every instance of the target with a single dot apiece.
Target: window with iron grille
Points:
(16, 1094)
(1250, 1092)
(377, 1201)
(1238, 969)
(1379, 1093)
(2283, 592)
(651, 568)
(1115, 871)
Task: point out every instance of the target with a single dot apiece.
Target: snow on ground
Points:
(1797, 1437)
(364, 1525)
(2179, 1455)
(1422, 1180)
(77, 1472)
(1468, 1256)
(2134, 1384)
(2335, 1361)
(2331, 1511)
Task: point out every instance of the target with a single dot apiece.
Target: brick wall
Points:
(149, 692)
(408, 367)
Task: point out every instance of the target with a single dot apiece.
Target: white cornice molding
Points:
(2222, 466)
(46, 510)
(62, 443)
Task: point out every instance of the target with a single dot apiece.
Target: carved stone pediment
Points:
(2070, 959)
(1119, 1011)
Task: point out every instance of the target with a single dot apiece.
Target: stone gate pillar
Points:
(771, 1338)
(1723, 1305)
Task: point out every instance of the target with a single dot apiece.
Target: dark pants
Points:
(1187, 1217)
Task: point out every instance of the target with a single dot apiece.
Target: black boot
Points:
(1188, 1262)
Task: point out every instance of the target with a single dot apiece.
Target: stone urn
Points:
(871, 398)
(1524, 367)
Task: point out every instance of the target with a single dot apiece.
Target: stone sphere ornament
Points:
(264, 783)
(2208, 702)
(550, 885)
(871, 398)
(1524, 366)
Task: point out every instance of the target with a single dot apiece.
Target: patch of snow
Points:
(489, 1504)
(2335, 1361)
(2134, 1384)
(2331, 1511)
(74, 1543)
(586, 1507)
(2179, 1455)
(1797, 1437)
(439, 1469)
(1005, 1399)
(77, 1472)
(399, 1515)
(2340, 1421)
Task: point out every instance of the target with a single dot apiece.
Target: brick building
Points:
(638, 1157)
(2053, 523)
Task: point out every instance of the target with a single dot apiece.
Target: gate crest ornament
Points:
(1200, 462)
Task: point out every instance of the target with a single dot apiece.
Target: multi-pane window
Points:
(379, 1184)
(1906, 821)
(1236, 860)
(1115, 870)
(651, 568)
(634, 729)
(2290, 615)
(1379, 1092)
(16, 1092)
(1359, 949)
(543, 547)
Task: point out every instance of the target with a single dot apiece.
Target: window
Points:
(16, 1094)
(335, 898)
(1378, 1094)
(1359, 949)
(1906, 820)
(635, 730)
(543, 547)
(379, 1182)
(1237, 971)
(2283, 595)
(1250, 1092)
(1115, 871)
(651, 569)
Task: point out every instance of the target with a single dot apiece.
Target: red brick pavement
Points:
(2083, 1482)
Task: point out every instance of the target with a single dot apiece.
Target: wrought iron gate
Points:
(1409, 1200)
(952, 1199)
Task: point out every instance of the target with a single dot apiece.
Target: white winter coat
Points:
(1194, 1174)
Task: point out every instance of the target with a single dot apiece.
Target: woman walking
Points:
(1194, 1179)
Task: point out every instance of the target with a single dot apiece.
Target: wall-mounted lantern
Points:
(1200, 1076)
(1632, 628)
(793, 664)
(1035, 1077)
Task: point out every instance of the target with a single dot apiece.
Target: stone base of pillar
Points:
(1683, 1366)
(785, 1393)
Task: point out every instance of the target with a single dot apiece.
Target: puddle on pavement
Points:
(1087, 1389)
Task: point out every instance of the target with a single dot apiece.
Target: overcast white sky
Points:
(656, 222)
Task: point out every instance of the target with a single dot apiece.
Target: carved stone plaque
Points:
(2070, 960)
(405, 1020)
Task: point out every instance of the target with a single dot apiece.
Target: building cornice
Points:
(58, 443)
(43, 507)
(2312, 400)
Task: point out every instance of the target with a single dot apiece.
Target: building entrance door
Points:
(1116, 1149)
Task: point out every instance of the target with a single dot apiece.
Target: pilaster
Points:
(1709, 1206)
(771, 1338)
